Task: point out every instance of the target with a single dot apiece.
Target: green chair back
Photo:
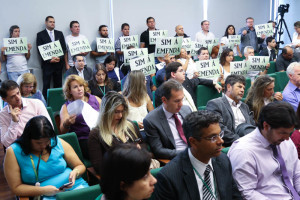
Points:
(89, 193)
(55, 99)
(153, 98)
(272, 68)
(204, 94)
(276, 88)
(237, 58)
(154, 81)
(225, 150)
(282, 80)
(247, 87)
(50, 111)
(154, 172)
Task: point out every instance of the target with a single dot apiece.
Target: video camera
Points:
(283, 9)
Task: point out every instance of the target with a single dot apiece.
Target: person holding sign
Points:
(248, 36)
(75, 88)
(112, 71)
(100, 56)
(205, 34)
(296, 38)
(16, 64)
(226, 57)
(52, 69)
(80, 69)
(230, 30)
(125, 30)
(145, 35)
(101, 83)
(180, 32)
(75, 36)
(270, 49)
(188, 64)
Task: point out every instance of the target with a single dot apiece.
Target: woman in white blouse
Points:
(296, 37)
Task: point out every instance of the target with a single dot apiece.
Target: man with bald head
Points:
(180, 32)
(286, 57)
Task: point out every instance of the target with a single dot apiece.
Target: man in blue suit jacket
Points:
(201, 171)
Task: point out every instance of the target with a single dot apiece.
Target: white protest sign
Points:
(144, 63)
(50, 50)
(79, 46)
(266, 29)
(15, 45)
(153, 35)
(195, 46)
(213, 42)
(209, 69)
(127, 41)
(239, 68)
(133, 53)
(258, 63)
(168, 45)
(234, 39)
(105, 45)
(186, 44)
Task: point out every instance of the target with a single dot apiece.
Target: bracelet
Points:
(77, 172)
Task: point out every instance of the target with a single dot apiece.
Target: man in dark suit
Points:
(163, 125)
(201, 171)
(270, 49)
(51, 68)
(80, 68)
(232, 110)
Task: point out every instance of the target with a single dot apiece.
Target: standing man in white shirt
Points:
(204, 34)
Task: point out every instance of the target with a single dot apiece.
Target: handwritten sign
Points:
(144, 63)
(258, 63)
(50, 50)
(79, 46)
(15, 45)
(186, 44)
(213, 42)
(133, 53)
(168, 45)
(209, 69)
(239, 68)
(127, 41)
(234, 39)
(105, 45)
(266, 29)
(153, 35)
(195, 46)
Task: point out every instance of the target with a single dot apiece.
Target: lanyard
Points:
(102, 90)
(204, 183)
(36, 171)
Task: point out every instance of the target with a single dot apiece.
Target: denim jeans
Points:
(14, 75)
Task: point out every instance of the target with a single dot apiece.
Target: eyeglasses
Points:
(214, 138)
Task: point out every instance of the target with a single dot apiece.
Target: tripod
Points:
(280, 32)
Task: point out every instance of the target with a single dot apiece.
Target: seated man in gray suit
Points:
(201, 171)
(80, 69)
(232, 110)
(163, 125)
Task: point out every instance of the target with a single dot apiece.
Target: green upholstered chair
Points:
(204, 94)
(237, 58)
(225, 150)
(276, 88)
(50, 111)
(154, 81)
(282, 80)
(247, 87)
(89, 193)
(153, 98)
(55, 99)
(272, 68)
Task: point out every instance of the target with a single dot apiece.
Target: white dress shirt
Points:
(80, 73)
(200, 36)
(238, 115)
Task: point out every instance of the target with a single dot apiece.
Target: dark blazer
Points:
(87, 72)
(177, 181)
(159, 134)
(221, 106)
(44, 38)
(265, 52)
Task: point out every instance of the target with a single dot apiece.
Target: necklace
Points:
(103, 92)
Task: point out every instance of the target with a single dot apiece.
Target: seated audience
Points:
(80, 68)
(225, 59)
(139, 103)
(112, 128)
(291, 92)
(112, 71)
(261, 93)
(215, 52)
(230, 30)
(75, 88)
(270, 49)
(17, 112)
(265, 162)
(201, 171)
(28, 87)
(36, 163)
(286, 57)
(233, 112)
(16, 64)
(126, 175)
(188, 64)
(163, 124)
(160, 74)
(203, 53)
(296, 134)
(101, 83)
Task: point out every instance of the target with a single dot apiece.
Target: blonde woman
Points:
(76, 88)
(112, 128)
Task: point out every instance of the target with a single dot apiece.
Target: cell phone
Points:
(65, 185)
